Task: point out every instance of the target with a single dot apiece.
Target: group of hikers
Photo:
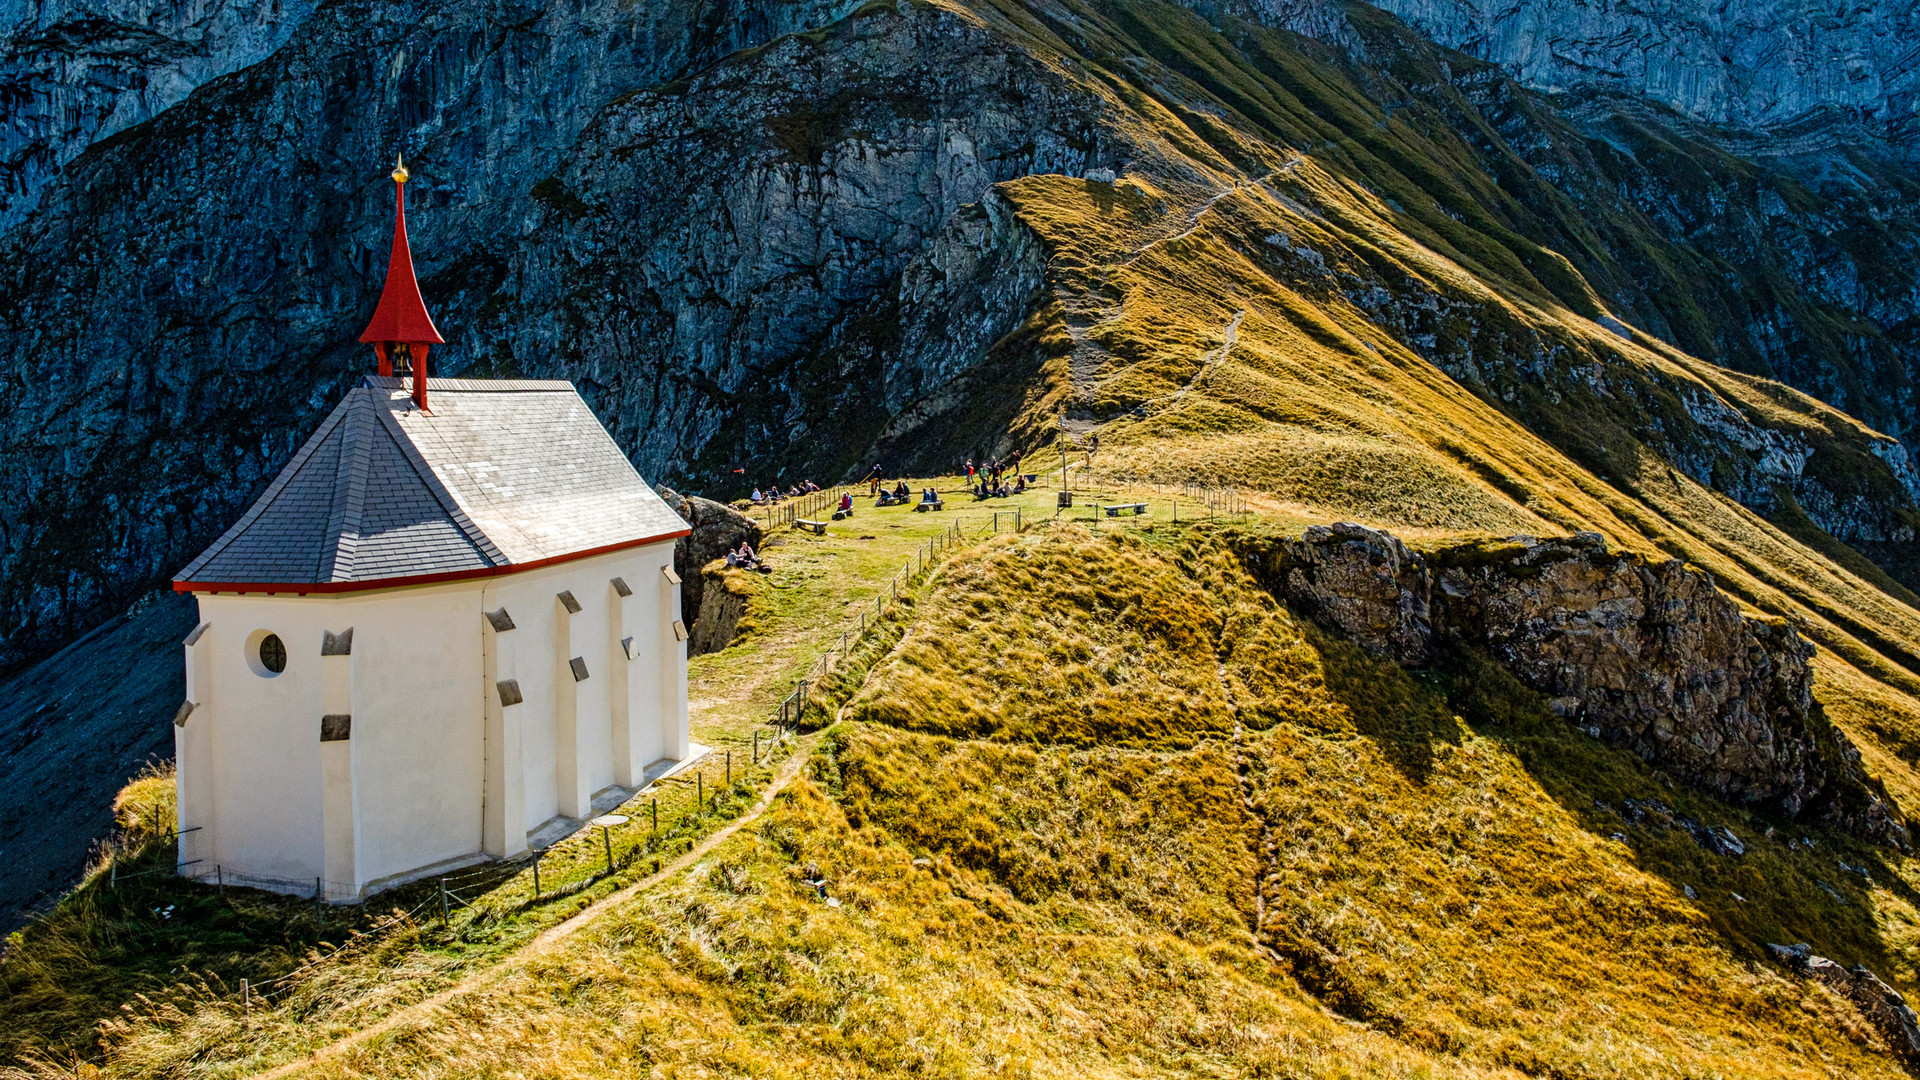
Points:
(989, 479)
(900, 493)
(773, 494)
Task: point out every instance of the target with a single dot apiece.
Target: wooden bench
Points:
(1137, 508)
(819, 527)
(838, 514)
(923, 507)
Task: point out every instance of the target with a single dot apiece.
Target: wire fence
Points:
(664, 820)
(1208, 502)
(795, 508)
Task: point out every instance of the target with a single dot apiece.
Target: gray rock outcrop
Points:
(1882, 1005)
(717, 529)
(1366, 585)
(723, 604)
(1649, 656)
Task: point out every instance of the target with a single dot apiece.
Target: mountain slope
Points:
(916, 230)
(1104, 808)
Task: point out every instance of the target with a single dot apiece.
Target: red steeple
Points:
(401, 318)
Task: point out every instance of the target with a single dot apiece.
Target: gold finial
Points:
(399, 170)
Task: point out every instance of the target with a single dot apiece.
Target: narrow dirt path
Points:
(1213, 358)
(1086, 309)
(554, 935)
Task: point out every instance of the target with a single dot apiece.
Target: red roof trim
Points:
(331, 587)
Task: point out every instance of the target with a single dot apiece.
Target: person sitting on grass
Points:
(758, 496)
(1019, 484)
(748, 560)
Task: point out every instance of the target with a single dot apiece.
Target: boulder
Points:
(717, 529)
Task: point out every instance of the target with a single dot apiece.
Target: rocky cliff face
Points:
(73, 72)
(723, 603)
(1652, 657)
(1806, 74)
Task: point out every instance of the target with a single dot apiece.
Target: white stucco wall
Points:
(417, 691)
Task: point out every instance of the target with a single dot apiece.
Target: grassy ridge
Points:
(1410, 874)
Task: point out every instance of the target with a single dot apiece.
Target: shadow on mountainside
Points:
(73, 729)
(1754, 875)
(1404, 719)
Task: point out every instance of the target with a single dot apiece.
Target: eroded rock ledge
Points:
(717, 529)
(1652, 657)
(1877, 1001)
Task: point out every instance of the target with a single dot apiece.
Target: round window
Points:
(266, 654)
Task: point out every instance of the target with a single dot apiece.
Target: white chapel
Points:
(449, 624)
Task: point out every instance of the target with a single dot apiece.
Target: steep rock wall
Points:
(73, 72)
(1651, 657)
(1789, 68)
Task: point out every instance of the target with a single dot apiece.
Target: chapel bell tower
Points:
(401, 331)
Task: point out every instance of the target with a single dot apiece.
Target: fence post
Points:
(536, 877)
(729, 766)
(113, 873)
(656, 810)
(606, 840)
(443, 900)
(700, 789)
(246, 1006)
(220, 880)
(319, 914)
(756, 746)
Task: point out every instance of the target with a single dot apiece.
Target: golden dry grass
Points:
(1442, 878)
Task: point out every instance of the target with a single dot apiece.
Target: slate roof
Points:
(497, 475)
